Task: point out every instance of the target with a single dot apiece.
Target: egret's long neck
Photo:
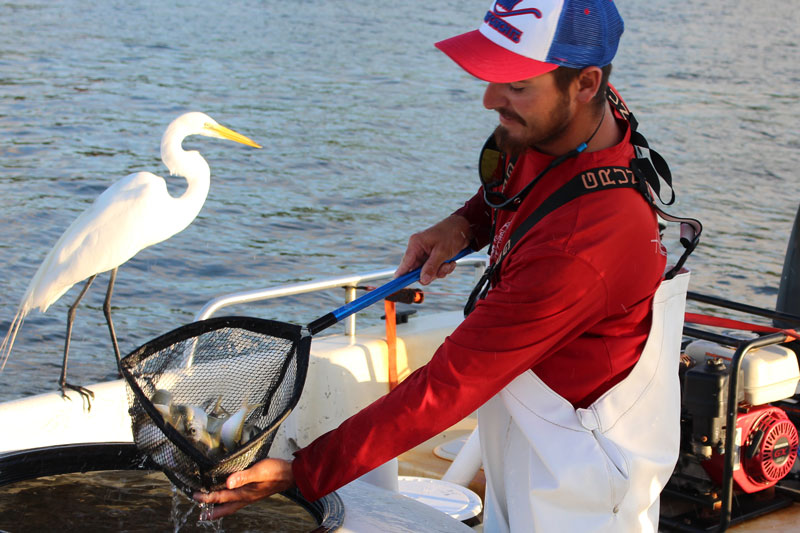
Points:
(188, 164)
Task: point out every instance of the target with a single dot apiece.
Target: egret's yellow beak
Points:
(226, 133)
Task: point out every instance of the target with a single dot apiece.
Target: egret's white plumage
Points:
(133, 213)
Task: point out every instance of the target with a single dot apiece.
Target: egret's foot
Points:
(85, 393)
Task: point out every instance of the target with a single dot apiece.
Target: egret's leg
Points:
(107, 312)
(84, 392)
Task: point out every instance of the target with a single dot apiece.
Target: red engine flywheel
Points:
(771, 447)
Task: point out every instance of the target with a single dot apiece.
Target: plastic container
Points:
(769, 374)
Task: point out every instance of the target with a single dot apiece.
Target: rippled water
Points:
(369, 133)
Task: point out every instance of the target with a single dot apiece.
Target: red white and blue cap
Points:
(520, 39)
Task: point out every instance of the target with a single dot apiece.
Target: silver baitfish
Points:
(161, 397)
(233, 429)
(248, 433)
(214, 433)
(209, 444)
(162, 401)
(217, 417)
(195, 422)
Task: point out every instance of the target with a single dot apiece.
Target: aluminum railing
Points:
(348, 282)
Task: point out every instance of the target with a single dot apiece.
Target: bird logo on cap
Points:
(508, 9)
(505, 8)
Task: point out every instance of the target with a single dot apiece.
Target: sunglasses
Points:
(493, 170)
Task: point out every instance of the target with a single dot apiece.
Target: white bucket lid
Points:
(459, 502)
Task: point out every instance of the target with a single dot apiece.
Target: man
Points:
(578, 416)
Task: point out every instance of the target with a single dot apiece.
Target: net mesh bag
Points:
(206, 399)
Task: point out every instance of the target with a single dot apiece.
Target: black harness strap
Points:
(650, 169)
(646, 172)
(597, 179)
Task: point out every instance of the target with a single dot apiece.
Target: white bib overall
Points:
(553, 468)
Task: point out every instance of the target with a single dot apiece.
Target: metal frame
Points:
(743, 348)
(348, 282)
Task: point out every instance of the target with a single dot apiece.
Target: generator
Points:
(740, 413)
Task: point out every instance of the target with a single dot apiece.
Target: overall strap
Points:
(651, 169)
(593, 180)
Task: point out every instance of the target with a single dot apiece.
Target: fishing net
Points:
(206, 399)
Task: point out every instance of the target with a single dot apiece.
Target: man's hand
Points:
(435, 245)
(263, 479)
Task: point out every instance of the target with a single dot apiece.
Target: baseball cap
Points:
(520, 39)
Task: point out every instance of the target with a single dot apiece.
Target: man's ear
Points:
(588, 83)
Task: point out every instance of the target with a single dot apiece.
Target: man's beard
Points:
(557, 122)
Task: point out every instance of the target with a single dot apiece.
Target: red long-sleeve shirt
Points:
(572, 303)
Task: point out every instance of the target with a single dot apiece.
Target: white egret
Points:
(133, 213)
